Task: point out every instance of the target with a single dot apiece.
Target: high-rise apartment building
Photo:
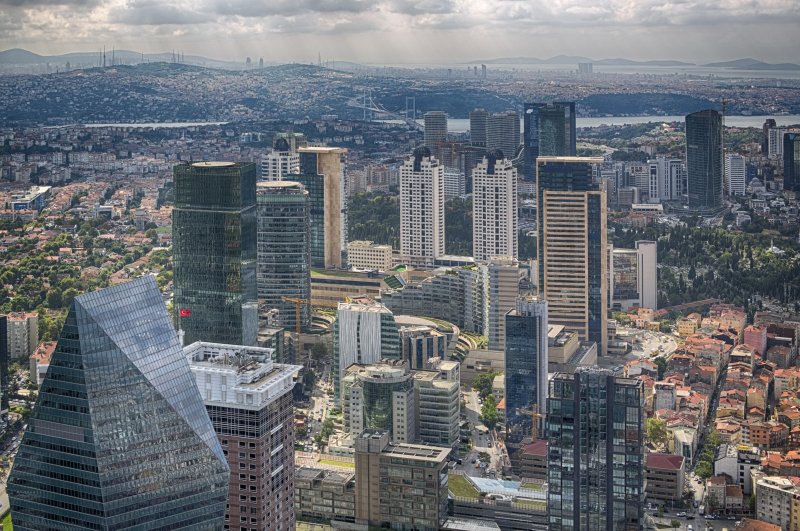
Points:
(400, 486)
(119, 437)
(666, 178)
(322, 173)
(548, 131)
(422, 229)
(502, 133)
(23, 334)
(775, 142)
(735, 174)
(769, 123)
(572, 246)
(791, 161)
(214, 252)
(503, 277)
(525, 364)
(704, 159)
(249, 401)
(364, 332)
(634, 275)
(284, 251)
(494, 208)
(435, 134)
(438, 403)
(595, 468)
(478, 119)
(283, 160)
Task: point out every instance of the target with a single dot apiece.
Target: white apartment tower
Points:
(494, 208)
(282, 161)
(421, 208)
(735, 174)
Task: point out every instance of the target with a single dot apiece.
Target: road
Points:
(698, 524)
(481, 442)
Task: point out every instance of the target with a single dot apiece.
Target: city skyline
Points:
(403, 31)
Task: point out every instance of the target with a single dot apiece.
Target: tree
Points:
(319, 351)
(703, 470)
(674, 524)
(656, 430)
(67, 296)
(489, 415)
(662, 366)
(54, 298)
(483, 384)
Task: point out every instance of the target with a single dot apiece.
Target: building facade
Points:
(791, 161)
(369, 255)
(735, 174)
(23, 334)
(548, 131)
(214, 252)
(494, 208)
(281, 162)
(283, 250)
(249, 401)
(704, 159)
(503, 276)
(596, 463)
(477, 127)
(435, 134)
(119, 438)
(438, 403)
(502, 133)
(665, 478)
(422, 228)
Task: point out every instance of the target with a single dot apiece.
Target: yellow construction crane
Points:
(297, 303)
(535, 416)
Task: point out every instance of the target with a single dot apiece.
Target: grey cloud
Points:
(39, 3)
(421, 7)
(146, 12)
(264, 8)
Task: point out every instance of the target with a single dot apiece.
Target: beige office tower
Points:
(421, 208)
(494, 208)
(573, 246)
(503, 286)
(322, 172)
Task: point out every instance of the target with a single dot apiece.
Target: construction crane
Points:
(535, 416)
(297, 303)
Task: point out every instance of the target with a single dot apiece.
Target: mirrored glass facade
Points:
(704, 159)
(119, 437)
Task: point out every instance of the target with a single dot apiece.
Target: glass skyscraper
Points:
(791, 161)
(214, 252)
(548, 131)
(119, 437)
(284, 258)
(595, 451)
(704, 159)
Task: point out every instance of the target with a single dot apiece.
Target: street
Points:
(698, 523)
(482, 440)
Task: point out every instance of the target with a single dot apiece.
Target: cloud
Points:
(285, 8)
(154, 13)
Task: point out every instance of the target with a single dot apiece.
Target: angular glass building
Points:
(704, 159)
(595, 451)
(791, 161)
(119, 437)
(284, 258)
(548, 131)
(214, 252)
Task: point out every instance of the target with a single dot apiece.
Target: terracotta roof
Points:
(757, 525)
(536, 448)
(664, 461)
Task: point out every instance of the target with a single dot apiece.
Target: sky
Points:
(410, 31)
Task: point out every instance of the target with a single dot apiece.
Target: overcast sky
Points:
(410, 31)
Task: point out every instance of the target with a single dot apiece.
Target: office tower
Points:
(421, 345)
(595, 461)
(283, 250)
(477, 127)
(380, 396)
(4, 361)
(769, 123)
(548, 131)
(437, 397)
(634, 275)
(503, 288)
(704, 159)
(775, 142)
(791, 161)
(435, 132)
(502, 132)
(422, 208)
(364, 332)
(322, 173)
(23, 334)
(214, 252)
(494, 208)
(119, 438)
(384, 497)
(665, 178)
(735, 174)
(281, 162)
(249, 401)
(572, 246)
(526, 365)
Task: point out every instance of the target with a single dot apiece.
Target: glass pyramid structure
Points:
(119, 437)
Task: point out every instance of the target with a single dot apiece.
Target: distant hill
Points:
(754, 64)
(20, 56)
(17, 56)
(622, 62)
(575, 59)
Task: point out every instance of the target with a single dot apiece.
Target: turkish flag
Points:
(183, 312)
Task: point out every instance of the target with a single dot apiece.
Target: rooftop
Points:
(664, 461)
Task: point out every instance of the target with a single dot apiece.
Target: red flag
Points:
(183, 312)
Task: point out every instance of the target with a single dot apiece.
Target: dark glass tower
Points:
(214, 252)
(595, 451)
(283, 250)
(791, 162)
(704, 159)
(548, 131)
(526, 365)
(3, 368)
(119, 437)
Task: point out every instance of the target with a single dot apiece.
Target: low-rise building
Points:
(23, 334)
(324, 495)
(40, 361)
(369, 255)
(665, 477)
(774, 496)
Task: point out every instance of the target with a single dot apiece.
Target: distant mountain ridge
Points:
(749, 63)
(737, 64)
(18, 56)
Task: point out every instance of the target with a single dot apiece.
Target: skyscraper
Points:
(214, 252)
(119, 437)
(435, 129)
(249, 401)
(595, 465)
(526, 364)
(572, 246)
(548, 131)
(283, 250)
(494, 208)
(422, 230)
(281, 162)
(704, 159)
(322, 172)
(477, 127)
(791, 161)
(503, 289)
(735, 174)
(769, 123)
(502, 132)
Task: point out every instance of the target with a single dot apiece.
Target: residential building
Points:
(502, 133)
(494, 208)
(422, 229)
(370, 256)
(775, 142)
(400, 486)
(323, 174)
(281, 162)
(595, 441)
(503, 290)
(774, 496)
(119, 437)
(214, 252)
(665, 478)
(478, 119)
(526, 364)
(329, 287)
(633, 281)
(572, 246)
(283, 251)
(455, 183)
(735, 174)
(248, 398)
(40, 361)
(438, 404)
(364, 332)
(704, 159)
(23, 334)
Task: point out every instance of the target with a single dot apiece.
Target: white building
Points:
(633, 281)
(369, 255)
(23, 334)
(276, 165)
(421, 208)
(666, 177)
(735, 174)
(775, 142)
(647, 252)
(774, 500)
(494, 209)
(455, 184)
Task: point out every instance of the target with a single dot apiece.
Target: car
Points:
(709, 517)
(681, 514)
(690, 517)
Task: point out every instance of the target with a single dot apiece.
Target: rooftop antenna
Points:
(113, 55)
(104, 56)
